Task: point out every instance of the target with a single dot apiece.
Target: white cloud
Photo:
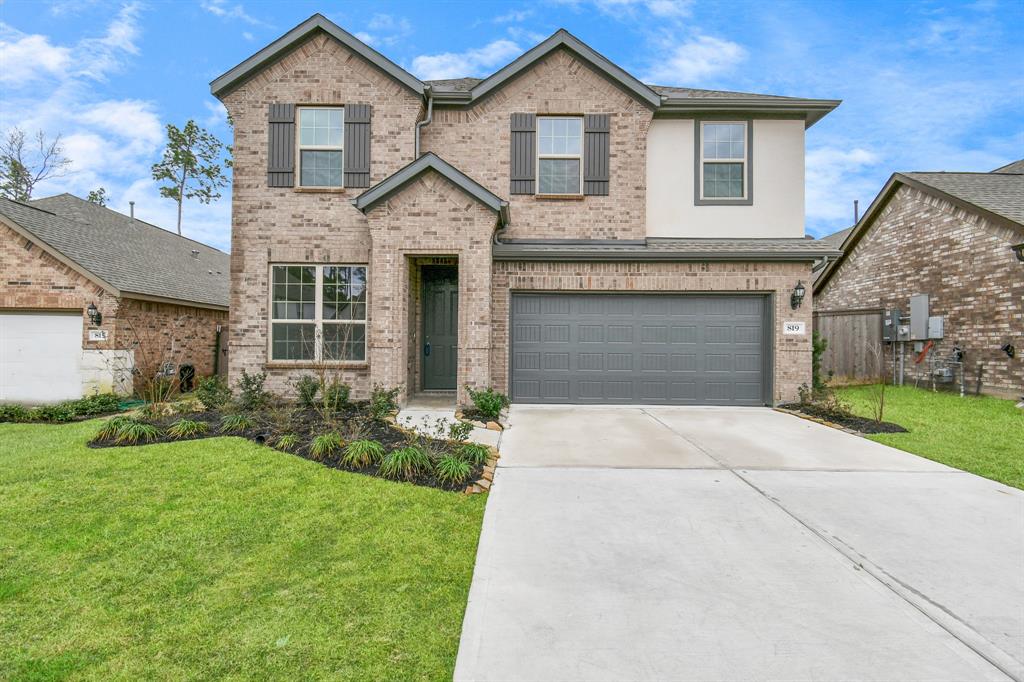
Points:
(473, 62)
(694, 61)
(835, 177)
(387, 30)
(365, 37)
(218, 115)
(513, 16)
(24, 58)
(248, 36)
(220, 8)
(630, 8)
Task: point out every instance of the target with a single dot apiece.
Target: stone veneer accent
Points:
(32, 279)
(922, 244)
(792, 364)
(476, 140)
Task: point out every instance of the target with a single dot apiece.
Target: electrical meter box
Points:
(919, 317)
(903, 332)
(935, 325)
(890, 322)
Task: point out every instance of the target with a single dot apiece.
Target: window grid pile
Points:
(321, 152)
(318, 313)
(724, 159)
(559, 152)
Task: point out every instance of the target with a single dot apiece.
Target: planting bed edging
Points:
(840, 427)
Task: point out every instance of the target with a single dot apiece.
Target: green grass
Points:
(980, 434)
(221, 559)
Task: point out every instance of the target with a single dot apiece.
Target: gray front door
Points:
(672, 349)
(440, 327)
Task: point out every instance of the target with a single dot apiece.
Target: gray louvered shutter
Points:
(596, 153)
(357, 145)
(281, 146)
(524, 154)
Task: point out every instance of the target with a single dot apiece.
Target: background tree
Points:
(98, 196)
(191, 166)
(24, 164)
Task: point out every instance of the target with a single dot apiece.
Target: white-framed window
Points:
(560, 155)
(321, 146)
(723, 160)
(318, 313)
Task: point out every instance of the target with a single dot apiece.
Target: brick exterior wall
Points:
(792, 366)
(285, 225)
(31, 279)
(476, 140)
(922, 244)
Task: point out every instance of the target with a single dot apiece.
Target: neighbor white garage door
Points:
(40, 356)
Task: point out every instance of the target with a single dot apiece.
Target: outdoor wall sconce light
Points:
(95, 316)
(797, 297)
(1009, 350)
(1018, 250)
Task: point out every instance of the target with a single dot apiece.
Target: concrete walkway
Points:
(737, 544)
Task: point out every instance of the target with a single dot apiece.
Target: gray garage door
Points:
(639, 348)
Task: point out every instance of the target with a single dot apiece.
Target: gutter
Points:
(429, 92)
(507, 252)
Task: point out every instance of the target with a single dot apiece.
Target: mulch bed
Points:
(860, 424)
(307, 424)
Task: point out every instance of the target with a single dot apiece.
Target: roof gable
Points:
(431, 161)
(126, 256)
(563, 39)
(275, 50)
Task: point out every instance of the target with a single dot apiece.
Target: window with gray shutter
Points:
(596, 153)
(281, 145)
(523, 160)
(357, 145)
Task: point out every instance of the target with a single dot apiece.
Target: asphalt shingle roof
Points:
(1014, 167)
(131, 255)
(467, 84)
(669, 249)
(1001, 193)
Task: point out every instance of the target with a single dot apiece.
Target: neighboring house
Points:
(950, 236)
(558, 230)
(162, 301)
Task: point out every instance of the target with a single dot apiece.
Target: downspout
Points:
(426, 121)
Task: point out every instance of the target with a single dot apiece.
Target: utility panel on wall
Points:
(919, 317)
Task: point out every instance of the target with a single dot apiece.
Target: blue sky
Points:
(926, 85)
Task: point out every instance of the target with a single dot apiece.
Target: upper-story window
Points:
(321, 139)
(724, 161)
(559, 155)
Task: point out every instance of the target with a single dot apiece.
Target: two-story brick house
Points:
(558, 230)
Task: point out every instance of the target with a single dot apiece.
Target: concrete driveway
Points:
(737, 544)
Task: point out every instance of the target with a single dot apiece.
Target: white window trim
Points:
(579, 156)
(318, 317)
(744, 161)
(299, 147)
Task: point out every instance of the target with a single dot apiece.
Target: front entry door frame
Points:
(440, 327)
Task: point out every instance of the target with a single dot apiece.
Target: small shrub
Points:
(488, 402)
(819, 344)
(407, 463)
(806, 394)
(306, 388)
(112, 427)
(288, 442)
(459, 431)
(335, 395)
(235, 423)
(213, 392)
(101, 403)
(251, 395)
(14, 413)
(452, 469)
(355, 429)
(474, 453)
(362, 453)
(61, 412)
(131, 432)
(383, 401)
(325, 444)
(187, 428)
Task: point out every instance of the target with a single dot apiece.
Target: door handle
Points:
(426, 349)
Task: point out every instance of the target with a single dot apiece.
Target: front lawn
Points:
(979, 434)
(221, 558)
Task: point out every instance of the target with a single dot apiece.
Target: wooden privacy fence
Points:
(851, 334)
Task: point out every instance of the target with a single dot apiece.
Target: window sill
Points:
(321, 190)
(304, 364)
(559, 197)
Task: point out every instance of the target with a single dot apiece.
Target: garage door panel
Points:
(40, 356)
(638, 348)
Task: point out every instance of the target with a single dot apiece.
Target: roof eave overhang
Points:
(430, 161)
(564, 39)
(139, 296)
(811, 110)
(501, 252)
(227, 81)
